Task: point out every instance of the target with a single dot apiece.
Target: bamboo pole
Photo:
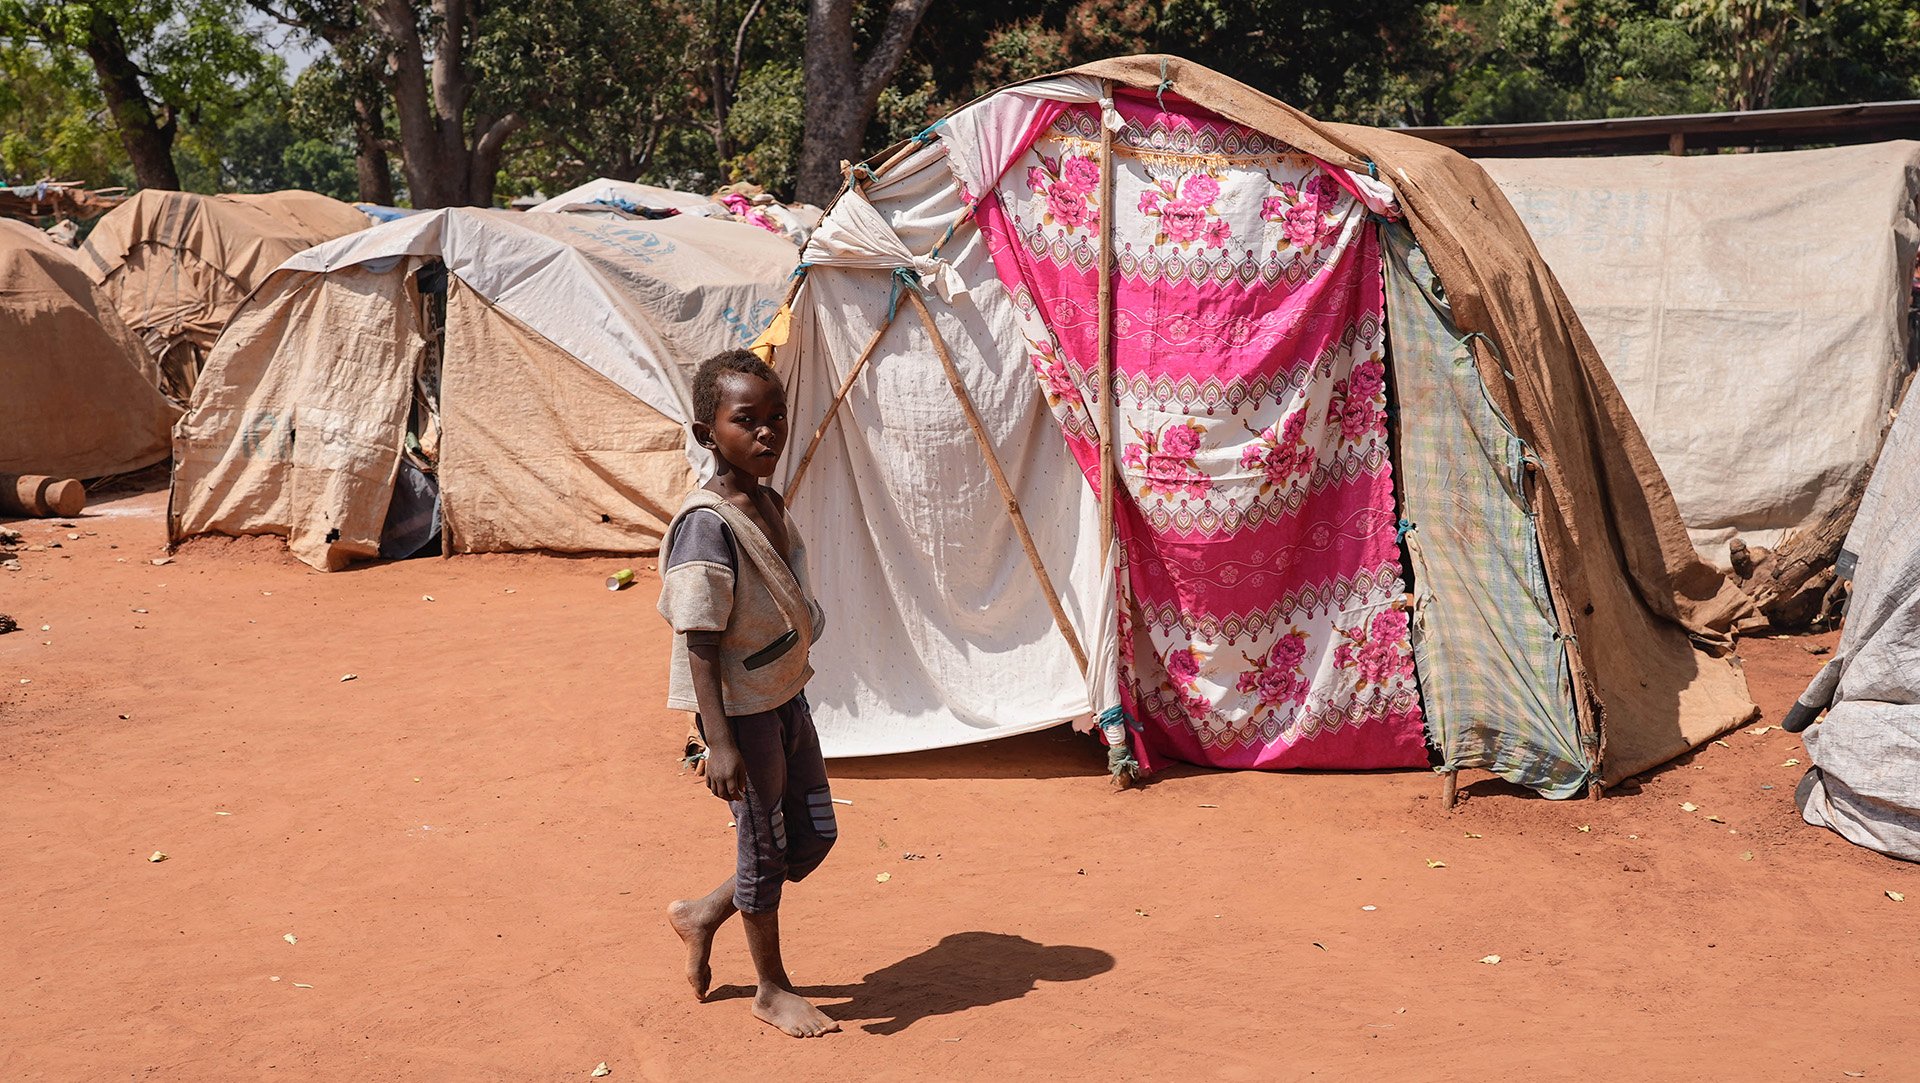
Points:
(1109, 470)
(833, 411)
(974, 423)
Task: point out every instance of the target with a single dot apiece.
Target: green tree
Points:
(156, 62)
(52, 125)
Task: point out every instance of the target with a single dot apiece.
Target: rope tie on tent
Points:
(903, 278)
(928, 134)
(800, 271)
(1114, 725)
(1166, 84)
(1401, 531)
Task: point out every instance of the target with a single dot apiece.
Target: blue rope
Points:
(903, 278)
(1400, 533)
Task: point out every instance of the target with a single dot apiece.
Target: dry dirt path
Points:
(470, 844)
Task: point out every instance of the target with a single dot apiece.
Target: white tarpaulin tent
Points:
(553, 412)
(1865, 778)
(923, 433)
(606, 195)
(1751, 308)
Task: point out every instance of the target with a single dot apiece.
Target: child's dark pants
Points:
(785, 821)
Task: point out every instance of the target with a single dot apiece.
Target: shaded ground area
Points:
(471, 841)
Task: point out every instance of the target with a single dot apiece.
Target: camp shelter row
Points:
(497, 380)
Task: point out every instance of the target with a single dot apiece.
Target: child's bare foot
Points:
(695, 920)
(791, 1013)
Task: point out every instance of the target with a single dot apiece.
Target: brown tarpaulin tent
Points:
(76, 391)
(177, 264)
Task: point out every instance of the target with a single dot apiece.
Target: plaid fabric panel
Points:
(1493, 675)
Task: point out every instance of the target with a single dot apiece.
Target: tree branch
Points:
(903, 18)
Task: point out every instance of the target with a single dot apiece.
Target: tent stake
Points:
(833, 411)
(972, 415)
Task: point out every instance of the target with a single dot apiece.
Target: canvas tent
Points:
(1752, 309)
(944, 364)
(76, 391)
(524, 378)
(608, 196)
(177, 264)
(1865, 778)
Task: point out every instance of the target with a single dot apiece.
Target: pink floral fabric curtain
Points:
(1259, 618)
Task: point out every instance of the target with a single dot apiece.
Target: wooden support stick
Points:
(1449, 788)
(833, 411)
(1109, 470)
(974, 423)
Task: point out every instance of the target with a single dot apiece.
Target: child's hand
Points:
(726, 773)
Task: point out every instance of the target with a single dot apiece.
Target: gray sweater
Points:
(722, 580)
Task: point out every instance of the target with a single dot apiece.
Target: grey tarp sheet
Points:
(1865, 779)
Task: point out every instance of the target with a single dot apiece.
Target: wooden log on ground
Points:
(40, 497)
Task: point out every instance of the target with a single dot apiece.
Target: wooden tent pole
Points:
(972, 415)
(1109, 471)
(1449, 788)
(833, 411)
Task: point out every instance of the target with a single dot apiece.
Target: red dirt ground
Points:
(473, 840)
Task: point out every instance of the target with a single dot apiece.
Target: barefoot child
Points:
(734, 588)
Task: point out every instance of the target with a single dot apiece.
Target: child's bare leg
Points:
(696, 920)
(775, 1001)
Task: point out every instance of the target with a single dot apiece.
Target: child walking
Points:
(734, 587)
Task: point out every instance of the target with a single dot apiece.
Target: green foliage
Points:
(262, 148)
(52, 123)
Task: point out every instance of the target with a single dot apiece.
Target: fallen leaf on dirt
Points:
(1585, 829)
(601, 1069)
(139, 611)
(1473, 834)
(1688, 806)
(1716, 819)
(1758, 730)
(1141, 912)
(843, 800)
(1746, 855)
(1209, 806)
(162, 561)
(1791, 763)
(1491, 960)
(276, 977)
(426, 597)
(1436, 864)
(291, 939)
(301, 985)
(1896, 896)
(1722, 744)
(1854, 1075)
(883, 877)
(349, 677)
(157, 856)
(1369, 908)
(223, 813)
(1319, 945)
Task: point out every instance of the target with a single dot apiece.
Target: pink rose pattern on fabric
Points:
(1184, 206)
(1281, 453)
(1306, 212)
(1257, 524)
(1055, 377)
(1165, 461)
(1067, 184)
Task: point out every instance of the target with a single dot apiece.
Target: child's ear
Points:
(703, 434)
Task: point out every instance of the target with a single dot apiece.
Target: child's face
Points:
(749, 429)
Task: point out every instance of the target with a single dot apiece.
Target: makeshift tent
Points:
(176, 264)
(1752, 309)
(608, 196)
(1865, 778)
(946, 360)
(525, 376)
(76, 391)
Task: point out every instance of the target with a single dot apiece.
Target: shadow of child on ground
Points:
(962, 971)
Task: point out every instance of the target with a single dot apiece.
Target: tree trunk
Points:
(149, 142)
(375, 172)
(842, 90)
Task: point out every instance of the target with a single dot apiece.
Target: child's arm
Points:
(726, 772)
